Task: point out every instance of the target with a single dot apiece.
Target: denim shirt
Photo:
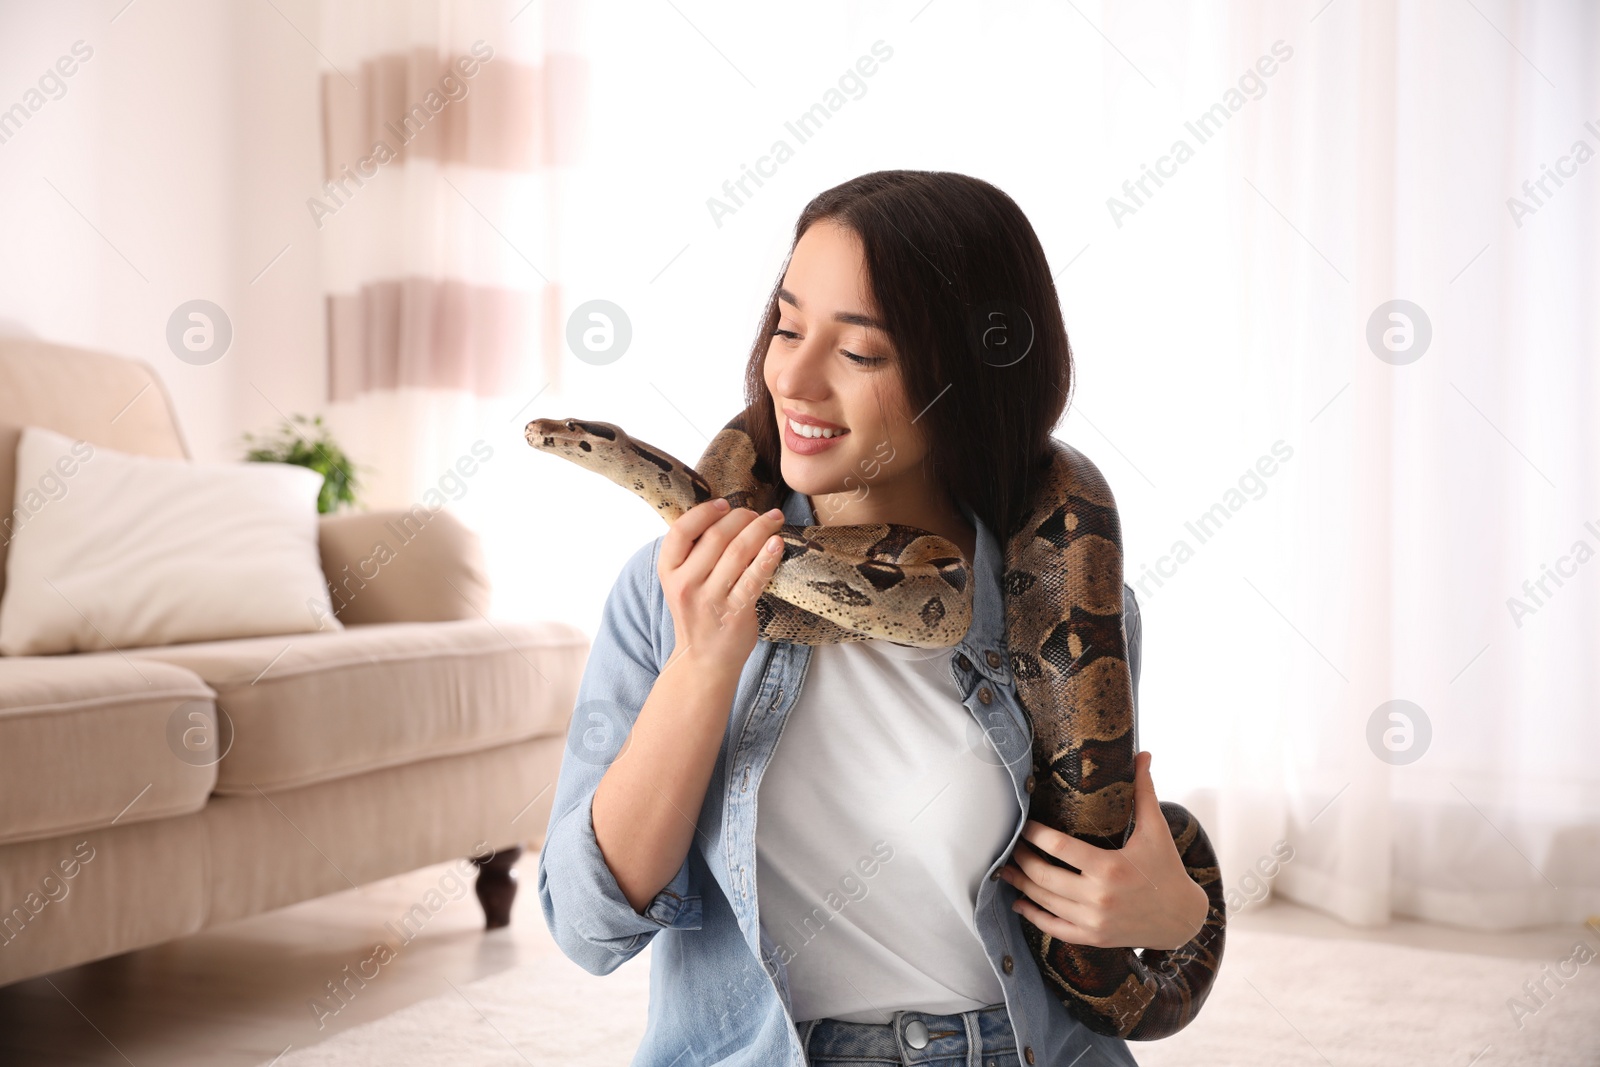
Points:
(718, 992)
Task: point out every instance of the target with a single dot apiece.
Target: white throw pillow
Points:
(110, 550)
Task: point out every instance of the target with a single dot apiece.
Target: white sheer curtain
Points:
(443, 262)
(1380, 561)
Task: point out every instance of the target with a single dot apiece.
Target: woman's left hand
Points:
(1138, 896)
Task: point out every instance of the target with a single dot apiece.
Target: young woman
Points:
(846, 897)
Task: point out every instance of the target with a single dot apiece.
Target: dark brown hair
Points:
(964, 290)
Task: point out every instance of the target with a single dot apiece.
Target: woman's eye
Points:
(864, 361)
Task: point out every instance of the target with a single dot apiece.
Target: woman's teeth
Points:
(813, 431)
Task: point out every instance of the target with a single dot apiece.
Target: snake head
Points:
(581, 441)
(667, 484)
(554, 435)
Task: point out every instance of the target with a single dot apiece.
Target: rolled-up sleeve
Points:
(586, 911)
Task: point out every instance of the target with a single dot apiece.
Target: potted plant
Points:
(306, 442)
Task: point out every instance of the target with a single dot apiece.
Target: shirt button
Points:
(1028, 785)
(994, 875)
(993, 658)
(963, 662)
(1027, 1053)
(985, 696)
(1006, 965)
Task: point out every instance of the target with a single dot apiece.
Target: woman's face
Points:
(828, 365)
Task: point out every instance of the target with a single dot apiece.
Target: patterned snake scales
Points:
(1065, 634)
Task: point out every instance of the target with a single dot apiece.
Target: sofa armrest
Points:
(403, 566)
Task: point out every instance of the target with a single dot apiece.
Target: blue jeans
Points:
(980, 1038)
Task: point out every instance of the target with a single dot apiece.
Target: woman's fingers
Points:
(1060, 883)
(753, 582)
(707, 552)
(1054, 925)
(687, 528)
(743, 549)
(1064, 847)
(712, 567)
(1059, 914)
(1147, 817)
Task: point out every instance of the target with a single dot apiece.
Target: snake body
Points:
(1068, 654)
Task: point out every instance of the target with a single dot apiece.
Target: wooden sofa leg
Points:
(497, 886)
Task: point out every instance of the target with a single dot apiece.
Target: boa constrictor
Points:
(1066, 639)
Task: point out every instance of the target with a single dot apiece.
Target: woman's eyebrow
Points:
(850, 318)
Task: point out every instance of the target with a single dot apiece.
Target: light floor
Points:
(239, 995)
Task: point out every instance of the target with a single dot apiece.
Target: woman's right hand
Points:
(714, 564)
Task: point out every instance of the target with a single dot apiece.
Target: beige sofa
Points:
(420, 733)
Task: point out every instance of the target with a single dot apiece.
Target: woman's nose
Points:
(802, 370)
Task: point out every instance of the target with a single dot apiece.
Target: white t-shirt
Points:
(877, 820)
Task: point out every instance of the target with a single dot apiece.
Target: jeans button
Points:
(1027, 1053)
(1028, 785)
(985, 696)
(963, 662)
(993, 658)
(1006, 965)
(917, 1033)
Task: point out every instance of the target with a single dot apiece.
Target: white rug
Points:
(1280, 1002)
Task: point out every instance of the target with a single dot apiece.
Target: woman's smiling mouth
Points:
(807, 435)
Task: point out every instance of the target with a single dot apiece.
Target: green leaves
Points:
(306, 442)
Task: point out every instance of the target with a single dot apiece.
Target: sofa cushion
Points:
(308, 708)
(402, 566)
(114, 550)
(103, 399)
(86, 741)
